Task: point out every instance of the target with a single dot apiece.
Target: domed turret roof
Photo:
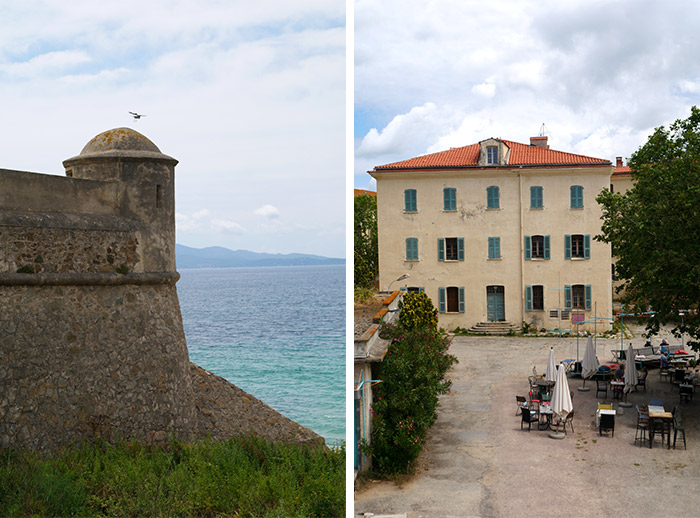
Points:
(120, 143)
(123, 139)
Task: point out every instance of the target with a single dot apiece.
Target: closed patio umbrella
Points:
(551, 372)
(561, 399)
(631, 377)
(589, 365)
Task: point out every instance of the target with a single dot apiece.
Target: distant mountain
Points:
(219, 257)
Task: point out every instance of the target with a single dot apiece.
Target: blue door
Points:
(495, 303)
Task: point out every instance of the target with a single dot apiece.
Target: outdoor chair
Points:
(607, 423)
(678, 427)
(529, 416)
(686, 392)
(642, 380)
(569, 419)
(663, 372)
(521, 403)
(601, 386)
(642, 426)
(605, 406)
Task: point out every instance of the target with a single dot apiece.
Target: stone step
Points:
(494, 328)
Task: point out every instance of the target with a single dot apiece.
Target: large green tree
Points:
(366, 250)
(654, 229)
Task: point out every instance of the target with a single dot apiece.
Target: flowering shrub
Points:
(405, 406)
(417, 311)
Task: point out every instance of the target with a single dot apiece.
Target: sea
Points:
(277, 333)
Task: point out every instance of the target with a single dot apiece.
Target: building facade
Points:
(498, 231)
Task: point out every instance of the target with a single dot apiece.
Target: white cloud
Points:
(225, 225)
(486, 89)
(267, 211)
(600, 77)
(250, 98)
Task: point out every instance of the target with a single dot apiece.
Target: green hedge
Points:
(406, 401)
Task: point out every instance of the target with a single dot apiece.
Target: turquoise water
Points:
(278, 333)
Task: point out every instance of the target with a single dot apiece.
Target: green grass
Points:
(241, 477)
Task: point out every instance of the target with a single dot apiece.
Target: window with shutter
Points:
(576, 197)
(492, 197)
(536, 197)
(449, 198)
(411, 248)
(494, 248)
(410, 200)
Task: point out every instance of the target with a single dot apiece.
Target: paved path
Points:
(477, 461)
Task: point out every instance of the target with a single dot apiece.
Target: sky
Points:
(248, 96)
(599, 75)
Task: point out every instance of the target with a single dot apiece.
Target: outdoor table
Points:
(655, 408)
(547, 412)
(666, 419)
(617, 388)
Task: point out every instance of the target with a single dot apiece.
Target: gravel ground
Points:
(478, 462)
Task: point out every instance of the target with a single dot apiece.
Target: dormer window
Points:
(492, 155)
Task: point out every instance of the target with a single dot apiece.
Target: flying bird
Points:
(136, 116)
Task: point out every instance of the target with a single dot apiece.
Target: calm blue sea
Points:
(276, 332)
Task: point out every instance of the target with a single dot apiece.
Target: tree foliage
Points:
(417, 311)
(366, 247)
(654, 228)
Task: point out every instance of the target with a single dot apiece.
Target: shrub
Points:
(363, 295)
(406, 402)
(417, 312)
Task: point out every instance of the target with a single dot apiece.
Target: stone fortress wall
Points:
(91, 336)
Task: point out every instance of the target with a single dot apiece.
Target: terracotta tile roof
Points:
(360, 192)
(520, 155)
(622, 171)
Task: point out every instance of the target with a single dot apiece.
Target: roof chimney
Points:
(619, 161)
(539, 142)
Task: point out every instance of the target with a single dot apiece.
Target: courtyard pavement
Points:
(478, 462)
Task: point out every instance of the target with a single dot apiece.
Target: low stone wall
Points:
(224, 410)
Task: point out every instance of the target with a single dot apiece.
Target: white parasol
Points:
(551, 372)
(589, 365)
(561, 399)
(631, 377)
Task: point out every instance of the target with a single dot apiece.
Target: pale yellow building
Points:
(498, 231)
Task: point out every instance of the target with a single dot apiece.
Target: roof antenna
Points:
(544, 129)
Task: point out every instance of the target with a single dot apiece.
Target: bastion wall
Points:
(91, 336)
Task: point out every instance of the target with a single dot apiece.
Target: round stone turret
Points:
(143, 179)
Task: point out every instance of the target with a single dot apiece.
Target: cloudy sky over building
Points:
(248, 96)
(601, 75)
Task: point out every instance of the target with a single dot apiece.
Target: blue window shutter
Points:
(528, 298)
(494, 248)
(421, 289)
(460, 248)
(587, 246)
(588, 297)
(576, 197)
(411, 249)
(410, 200)
(567, 246)
(536, 197)
(496, 197)
(403, 288)
(546, 247)
(492, 201)
(441, 249)
(461, 299)
(449, 198)
(441, 297)
(528, 248)
(567, 296)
